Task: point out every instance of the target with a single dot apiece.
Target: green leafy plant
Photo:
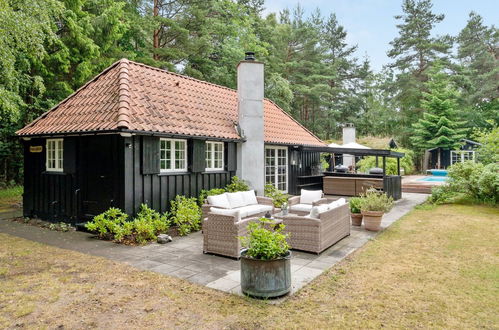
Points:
(442, 195)
(185, 213)
(373, 200)
(237, 184)
(61, 226)
(212, 192)
(355, 204)
(406, 163)
(265, 244)
(479, 182)
(108, 224)
(278, 197)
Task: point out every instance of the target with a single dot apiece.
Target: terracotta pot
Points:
(372, 220)
(356, 219)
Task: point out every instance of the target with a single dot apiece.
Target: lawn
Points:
(10, 198)
(437, 267)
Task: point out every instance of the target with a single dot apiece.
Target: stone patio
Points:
(184, 258)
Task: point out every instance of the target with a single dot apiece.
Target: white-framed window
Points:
(276, 167)
(214, 156)
(55, 154)
(173, 155)
(458, 156)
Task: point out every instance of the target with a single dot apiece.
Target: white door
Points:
(276, 167)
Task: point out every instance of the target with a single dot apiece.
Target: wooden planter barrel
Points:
(372, 220)
(265, 278)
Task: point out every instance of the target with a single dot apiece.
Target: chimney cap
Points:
(249, 56)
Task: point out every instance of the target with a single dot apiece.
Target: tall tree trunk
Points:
(156, 32)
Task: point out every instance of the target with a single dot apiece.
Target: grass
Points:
(437, 267)
(10, 197)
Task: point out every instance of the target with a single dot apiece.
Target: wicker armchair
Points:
(221, 232)
(295, 200)
(316, 235)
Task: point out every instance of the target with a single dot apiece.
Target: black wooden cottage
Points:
(137, 134)
(441, 158)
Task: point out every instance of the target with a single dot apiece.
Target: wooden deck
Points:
(410, 184)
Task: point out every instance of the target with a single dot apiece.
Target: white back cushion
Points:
(310, 196)
(235, 199)
(220, 201)
(314, 212)
(337, 203)
(233, 213)
(249, 197)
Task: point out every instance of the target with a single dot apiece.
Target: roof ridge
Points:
(296, 121)
(181, 75)
(123, 95)
(43, 115)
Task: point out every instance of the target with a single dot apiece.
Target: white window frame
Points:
(172, 156)
(58, 159)
(210, 163)
(276, 158)
(460, 156)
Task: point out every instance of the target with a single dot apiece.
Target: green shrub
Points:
(278, 197)
(355, 204)
(185, 213)
(373, 200)
(488, 184)
(265, 244)
(108, 224)
(406, 162)
(113, 225)
(237, 184)
(212, 192)
(442, 195)
(488, 152)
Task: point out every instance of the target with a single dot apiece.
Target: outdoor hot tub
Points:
(438, 172)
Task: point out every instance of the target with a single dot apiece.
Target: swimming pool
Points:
(433, 179)
(438, 173)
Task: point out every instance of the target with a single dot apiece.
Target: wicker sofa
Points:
(317, 234)
(302, 205)
(246, 202)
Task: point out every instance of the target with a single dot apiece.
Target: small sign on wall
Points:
(35, 149)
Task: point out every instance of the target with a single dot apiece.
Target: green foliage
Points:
(237, 184)
(113, 225)
(406, 162)
(442, 195)
(265, 244)
(108, 224)
(475, 180)
(61, 226)
(355, 204)
(278, 197)
(439, 127)
(12, 192)
(373, 200)
(488, 153)
(185, 213)
(212, 192)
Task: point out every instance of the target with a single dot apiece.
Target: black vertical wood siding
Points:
(306, 159)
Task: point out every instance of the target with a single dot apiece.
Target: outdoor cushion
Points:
(314, 212)
(249, 210)
(337, 203)
(310, 196)
(233, 213)
(301, 207)
(220, 201)
(236, 199)
(249, 197)
(323, 208)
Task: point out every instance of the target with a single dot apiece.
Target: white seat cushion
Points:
(301, 207)
(310, 196)
(249, 197)
(220, 201)
(236, 199)
(233, 213)
(337, 203)
(250, 210)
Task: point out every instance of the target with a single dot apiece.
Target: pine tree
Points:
(439, 127)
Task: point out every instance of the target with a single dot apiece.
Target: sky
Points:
(371, 24)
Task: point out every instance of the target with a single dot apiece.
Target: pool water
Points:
(434, 179)
(437, 173)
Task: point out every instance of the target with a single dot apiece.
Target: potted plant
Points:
(374, 205)
(265, 261)
(355, 205)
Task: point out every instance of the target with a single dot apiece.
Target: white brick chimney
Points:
(250, 154)
(348, 137)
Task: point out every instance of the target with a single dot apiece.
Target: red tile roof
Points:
(137, 97)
